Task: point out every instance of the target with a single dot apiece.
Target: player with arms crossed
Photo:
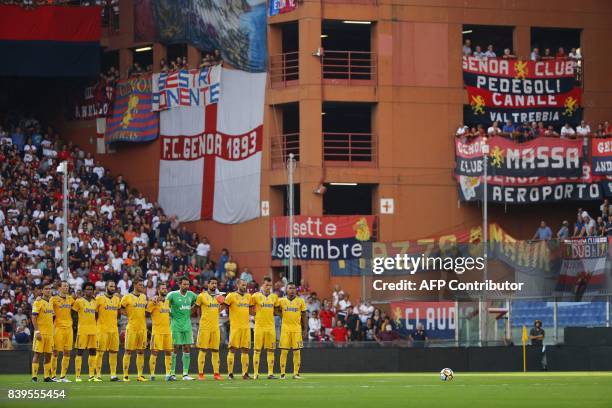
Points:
(161, 338)
(62, 336)
(239, 304)
(86, 332)
(264, 303)
(135, 305)
(294, 328)
(42, 346)
(181, 301)
(107, 307)
(209, 335)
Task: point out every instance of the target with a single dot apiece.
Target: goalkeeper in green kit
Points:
(181, 302)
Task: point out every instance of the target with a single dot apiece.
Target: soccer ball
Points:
(446, 374)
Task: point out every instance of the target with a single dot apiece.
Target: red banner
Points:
(601, 156)
(518, 101)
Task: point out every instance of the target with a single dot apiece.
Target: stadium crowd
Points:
(586, 225)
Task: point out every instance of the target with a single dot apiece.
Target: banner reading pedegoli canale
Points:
(541, 157)
(601, 156)
(192, 87)
(439, 319)
(133, 119)
(321, 237)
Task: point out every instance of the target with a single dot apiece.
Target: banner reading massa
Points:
(321, 237)
(133, 119)
(541, 157)
(601, 156)
(439, 319)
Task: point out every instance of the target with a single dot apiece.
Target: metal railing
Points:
(349, 149)
(354, 67)
(282, 146)
(284, 69)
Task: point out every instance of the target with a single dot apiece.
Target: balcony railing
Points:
(284, 69)
(354, 67)
(349, 149)
(282, 146)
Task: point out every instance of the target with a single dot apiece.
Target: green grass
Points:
(516, 390)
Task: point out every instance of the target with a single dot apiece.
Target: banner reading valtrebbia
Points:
(321, 237)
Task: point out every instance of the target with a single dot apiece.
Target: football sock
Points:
(270, 359)
(283, 360)
(91, 362)
(297, 359)
(201, 361)
(65, 364)
(140, 363)
(173, 365)
(47, 368)
(244, 360)
(230, 362)
(100, 356)
(152, 363)
(54, 360)
(168, 361)
(186, 362)
(126, 364)
(35, 369)
(256, 357)
(112, 362)
(215, 361)
(78, 362)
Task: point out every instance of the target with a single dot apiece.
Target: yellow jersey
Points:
(107, 308)
(62, 307)
(43, 311)
(239, 310)
(292, 313)
(87, 315)
(209, 311)
(135, 306)
(160, 316)
(264, 309)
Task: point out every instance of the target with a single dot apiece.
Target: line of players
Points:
(97, 329)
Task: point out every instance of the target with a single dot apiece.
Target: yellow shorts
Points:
(240, 338)
(161, 342)
(265, 338)
(44, 345)
(209, 339)
(291, 340)
(63, 339)
(108, 341)
(86, 341)
(135, 339)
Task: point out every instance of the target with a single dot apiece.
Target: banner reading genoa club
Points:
(601, 156)
(321, 238)
(210, 164)
(584, 263)
(439, 319)
(192, 87)
(541, 157)
(282, 6)
(521, 91)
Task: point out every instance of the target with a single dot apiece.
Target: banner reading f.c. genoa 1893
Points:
(521, 91)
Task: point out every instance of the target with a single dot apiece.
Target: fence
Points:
(352, 67)
(349, 149)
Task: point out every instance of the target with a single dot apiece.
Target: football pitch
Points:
(568, 389)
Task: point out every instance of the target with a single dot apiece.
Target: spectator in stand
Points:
(217, 59)
(467, 47)
(419, 336)
(387, 335)
(583, 129)
(543, 233)
(574, 54)
(494, 129)
(601, 228)
(342, 307)
(22, 333)
(314, 326)
(567, 132)
(202, 251)
(163, 65)
(563, 232)
(353, 324)
(124, 285)
(221, 264)
(489, 53)
(246, 276)
(230, 268)
(605, 208)
(328, 317)
(368, 330)
(340, 334)
(478, 52)
(561, 53)
(207, 60)
(547, 55)
(589, 225)
(551, 132)
(508, 54)
(508, 129)
(365, 310)
(535, 54)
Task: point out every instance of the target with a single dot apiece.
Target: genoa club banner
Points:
(584, 263)
(521, 91)
(282, 6)
(321, 237)
(186, 88)
(210, 156)
(132, 120)
(49, 41)
(601, 156)
(541, 157)
(439, 319)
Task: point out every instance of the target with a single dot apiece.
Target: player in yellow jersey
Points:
(86, 332)
(209, 335)
(62, 335)
(161, 336)
(294, 328)
(264, 303)
(135, 306)
(42, 319)
(238, 305)
(107, 307)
